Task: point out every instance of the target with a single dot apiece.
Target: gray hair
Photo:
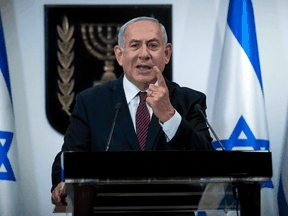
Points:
(123, 28)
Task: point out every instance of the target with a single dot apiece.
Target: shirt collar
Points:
(130, 89)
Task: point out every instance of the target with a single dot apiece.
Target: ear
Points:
(118, 54)
(168, 52)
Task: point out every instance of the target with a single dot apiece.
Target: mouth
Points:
(143, 67)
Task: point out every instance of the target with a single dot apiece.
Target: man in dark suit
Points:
(173, 124)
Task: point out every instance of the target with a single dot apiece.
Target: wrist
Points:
(168, 116)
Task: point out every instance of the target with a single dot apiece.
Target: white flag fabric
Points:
(8, 151)
(239, 115)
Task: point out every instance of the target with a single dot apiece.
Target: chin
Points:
(146, 79)
(143, 82)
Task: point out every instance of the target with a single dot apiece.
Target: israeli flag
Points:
(239, 115)
(8, 151)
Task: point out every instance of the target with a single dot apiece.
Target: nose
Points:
(144, 53)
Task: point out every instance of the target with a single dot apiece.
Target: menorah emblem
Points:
(102, 46)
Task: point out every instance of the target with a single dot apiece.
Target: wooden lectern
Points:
(165, 182)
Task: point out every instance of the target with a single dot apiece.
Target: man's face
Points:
(143, 49)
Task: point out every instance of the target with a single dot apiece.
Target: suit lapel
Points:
(171, 89)
(154, 129)
(124, 117)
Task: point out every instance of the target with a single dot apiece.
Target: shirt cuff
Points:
(171, 126)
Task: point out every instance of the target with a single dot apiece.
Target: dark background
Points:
(87, 67)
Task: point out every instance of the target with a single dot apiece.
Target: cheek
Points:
(129, 60)
(161, 61)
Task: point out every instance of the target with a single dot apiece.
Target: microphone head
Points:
(197, 107)
(118, 106)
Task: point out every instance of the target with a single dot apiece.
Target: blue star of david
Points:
(251, 141)
(9, 175)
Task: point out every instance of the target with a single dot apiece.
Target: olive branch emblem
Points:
(65, 69)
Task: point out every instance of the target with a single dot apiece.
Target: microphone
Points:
(118, 109)
(198, 108)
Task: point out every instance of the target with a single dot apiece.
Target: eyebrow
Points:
(137, 41)
(134, 40)
(154, 39)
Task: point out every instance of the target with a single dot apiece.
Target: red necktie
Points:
(142, 120)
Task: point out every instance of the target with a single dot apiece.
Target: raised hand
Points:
(158, 98)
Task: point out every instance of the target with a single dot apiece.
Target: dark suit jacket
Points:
(94, 111)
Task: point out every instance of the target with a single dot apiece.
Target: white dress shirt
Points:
(170, 127)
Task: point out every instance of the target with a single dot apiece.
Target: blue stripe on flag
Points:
(282, 199)
(3, 60)
(241, 22)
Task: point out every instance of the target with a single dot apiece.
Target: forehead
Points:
(143, 30)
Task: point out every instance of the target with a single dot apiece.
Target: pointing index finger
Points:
(159, 76)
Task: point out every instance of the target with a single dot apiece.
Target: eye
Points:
(135, 45)
(153, 46)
